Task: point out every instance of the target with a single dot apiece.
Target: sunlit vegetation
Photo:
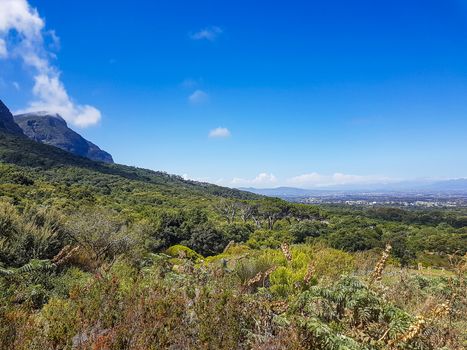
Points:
(99, 256)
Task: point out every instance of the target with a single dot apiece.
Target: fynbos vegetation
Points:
(109, 257)
(103, 256)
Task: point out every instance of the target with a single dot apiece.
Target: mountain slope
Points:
(7, 122)
(51, 129)
(57, 166)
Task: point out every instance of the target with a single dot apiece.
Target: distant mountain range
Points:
(449, 185)
(50, 129)
(454, 185)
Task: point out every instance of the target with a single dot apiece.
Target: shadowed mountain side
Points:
(52, 129)
(7, 122)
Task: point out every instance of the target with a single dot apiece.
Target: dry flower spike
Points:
(286, 251)
(378, 271)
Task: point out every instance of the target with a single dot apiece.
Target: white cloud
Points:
(198, 97)
(319, 180)
(310, 180)
(187, 177)
(261, 180)
(16, 85)
(219, 133)
(210, 33)
(19, 18)
(55, 40)
(3, 49)
(51, 96)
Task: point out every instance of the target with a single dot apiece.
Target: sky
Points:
(250, 93)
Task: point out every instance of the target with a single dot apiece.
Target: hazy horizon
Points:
(411, 184)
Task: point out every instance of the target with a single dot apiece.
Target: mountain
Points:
(454, 185)
(7, 122)
(53, 130)
(419, 186)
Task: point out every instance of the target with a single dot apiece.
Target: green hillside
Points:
(52, 162)
(106, 256)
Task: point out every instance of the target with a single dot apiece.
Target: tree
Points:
(228, 209)
(273, 209)
(247, 211)
(307, 228)
(302, 212)
(355, 239)
(100, 233)
(207, 240)
(237, 232)
(172, 227)
(400, 247)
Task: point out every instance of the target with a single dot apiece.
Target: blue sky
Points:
(243, 93)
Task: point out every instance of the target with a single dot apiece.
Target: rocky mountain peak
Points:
(52, 129)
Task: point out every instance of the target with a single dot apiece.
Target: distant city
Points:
(422, 200)
(443, 194)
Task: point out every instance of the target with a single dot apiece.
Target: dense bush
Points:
(98, 256)
(36, 233)
(353, 240)
(210, 306)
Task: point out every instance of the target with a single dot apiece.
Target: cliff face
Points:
(52, 129)
(7, 123)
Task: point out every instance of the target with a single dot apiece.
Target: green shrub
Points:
(269, 239)
(180, 251)
(36, 233)
(332, 263)
(307, 229)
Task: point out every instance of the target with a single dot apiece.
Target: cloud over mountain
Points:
(23, 36)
